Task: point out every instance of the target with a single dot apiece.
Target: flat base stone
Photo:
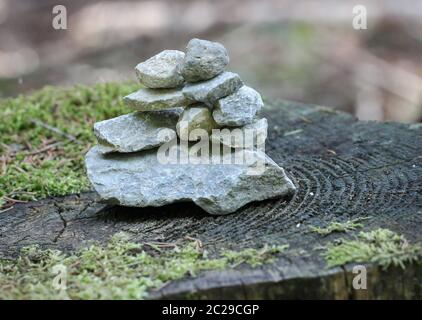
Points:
(144, 179)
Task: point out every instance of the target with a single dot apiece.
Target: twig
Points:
(5, 146)
(304, 119)
(7, 209)
(20, 170)
(51, 146)
(198, 243)
(293, 132)
(14, 200)
(158, 245)
(56, 130)
(3, 165)
(17, 192)
(331, 151)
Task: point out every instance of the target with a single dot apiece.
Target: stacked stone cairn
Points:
(187, 97)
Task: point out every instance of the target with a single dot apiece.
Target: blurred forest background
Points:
(299, 50)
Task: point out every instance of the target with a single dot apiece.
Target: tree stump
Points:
(343, 169)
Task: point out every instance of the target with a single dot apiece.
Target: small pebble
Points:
(248, 136)
(195, 117)
(238, 108)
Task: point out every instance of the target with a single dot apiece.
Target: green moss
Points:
(119, 270)
(381, 246)
(336, 226)
(251, 256)
(36, 162)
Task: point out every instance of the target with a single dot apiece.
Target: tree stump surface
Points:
(343, 169)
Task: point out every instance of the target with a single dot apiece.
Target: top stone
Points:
(204, 60)
(162, 70)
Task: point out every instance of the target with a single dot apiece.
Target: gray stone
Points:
(210, 91)
(238, 108)
(195, 117)
(162, 70)
(156, 99)
(249, 136)
(141, 180)
(204, 60)
(136, 131)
